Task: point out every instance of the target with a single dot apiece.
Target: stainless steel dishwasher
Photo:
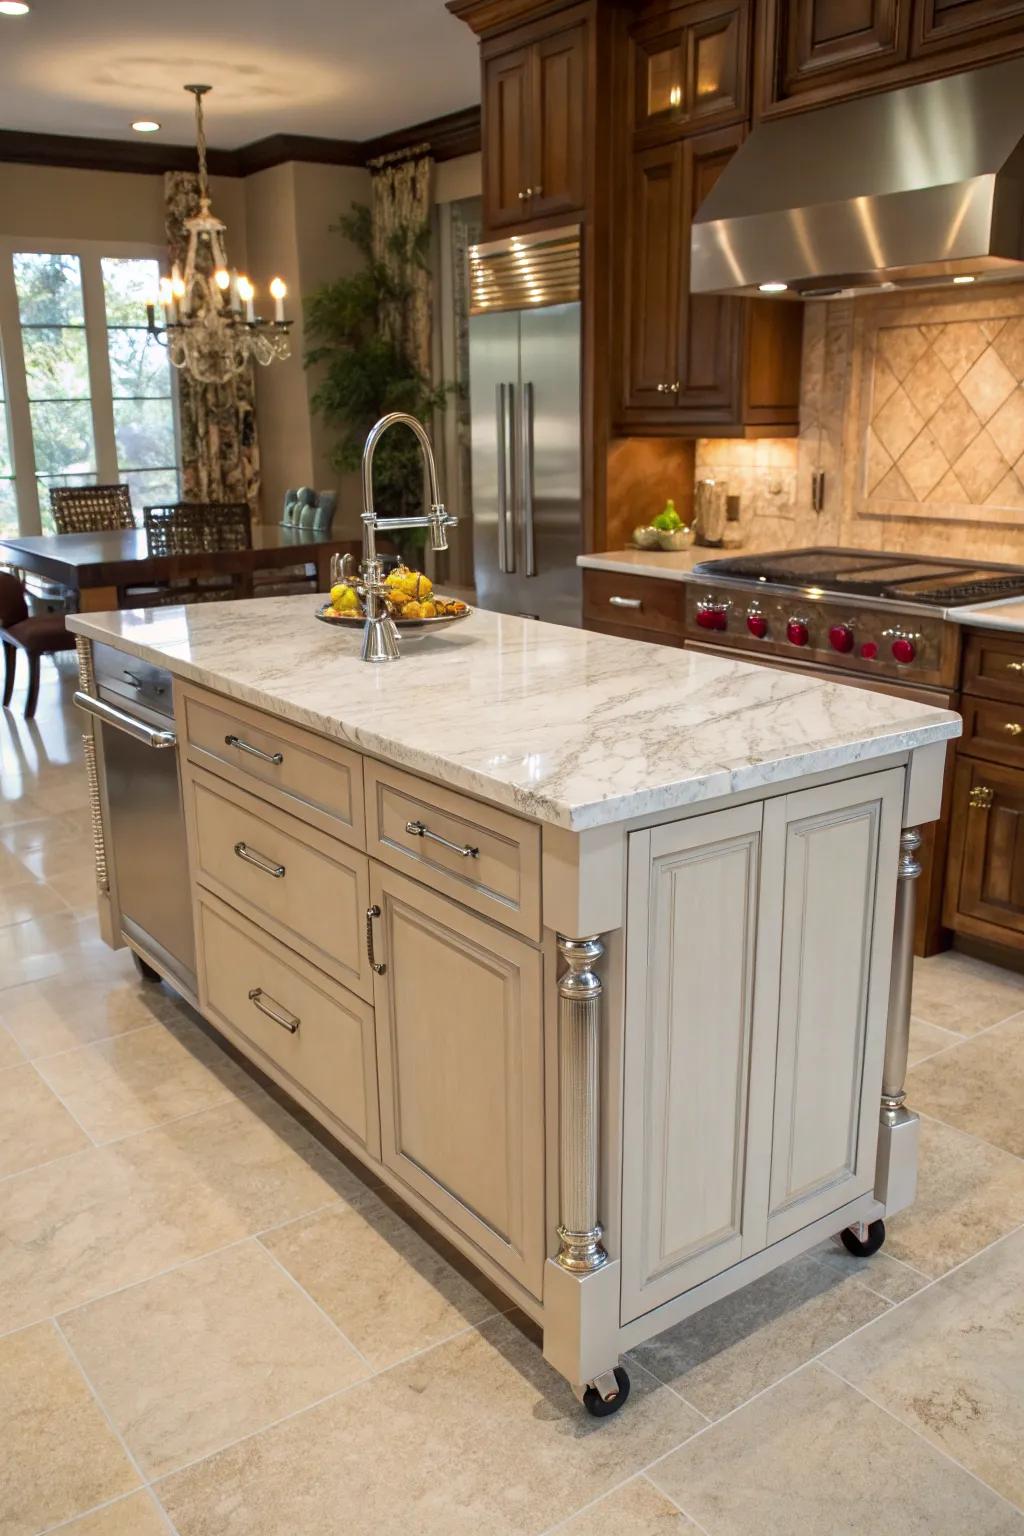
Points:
(144, 823)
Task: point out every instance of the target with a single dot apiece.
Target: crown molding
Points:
(487, 17)
(457, 133)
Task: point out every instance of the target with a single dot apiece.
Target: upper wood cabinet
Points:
(945, 24)
(535, 122)
(689, 68)
(824, 41)
(696, 362)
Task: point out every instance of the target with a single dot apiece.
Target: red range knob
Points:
(903, 650)
(869, 650)
(757, 624)
(840, 638)
(711, 618)
(797, 632)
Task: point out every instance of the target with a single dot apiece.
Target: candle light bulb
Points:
(278, 289)
(246, 292)
(177, 287)
(222, 277)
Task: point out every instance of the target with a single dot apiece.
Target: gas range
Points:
(866, 612)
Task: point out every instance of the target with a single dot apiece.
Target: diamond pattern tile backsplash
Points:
(946, 422)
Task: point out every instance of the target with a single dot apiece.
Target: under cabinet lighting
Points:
(14, 7)
(967, 278)
(143, 124)
(773, 287)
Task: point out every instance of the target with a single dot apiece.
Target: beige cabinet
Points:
(460, 1057)
(758, 950)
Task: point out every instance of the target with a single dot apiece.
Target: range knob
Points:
(840, 638)
(869, 650)
(903, 649)
(797, 632)
(711, 615)
(757, 623)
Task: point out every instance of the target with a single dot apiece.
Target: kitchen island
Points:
(596, 952)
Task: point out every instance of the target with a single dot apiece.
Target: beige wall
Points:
(462, 177)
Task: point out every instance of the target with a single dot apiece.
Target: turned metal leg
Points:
(579, 1012)
(87, 680)
(896, 1171)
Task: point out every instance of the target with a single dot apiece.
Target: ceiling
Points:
(340, 69)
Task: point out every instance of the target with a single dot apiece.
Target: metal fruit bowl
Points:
(326, 615)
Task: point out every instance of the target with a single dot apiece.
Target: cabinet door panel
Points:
(558, 123)
(655, 278)
(460, 1049)
(698, 1057)
(710, 324)
(942, 24)
(690, 67)
(507, 106)
(986, 868)
(824, 41)
(838, 904)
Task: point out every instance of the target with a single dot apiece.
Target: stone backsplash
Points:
(762, 472)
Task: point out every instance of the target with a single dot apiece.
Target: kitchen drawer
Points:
(307, 1033)
(639, 602)
(311, 891)
(994, 666)
(993, 730)
(500, 877)
(293, 769)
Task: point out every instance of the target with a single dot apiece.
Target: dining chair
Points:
(91, 508)
(198, 527)
(38, 637)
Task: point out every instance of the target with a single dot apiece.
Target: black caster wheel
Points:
(144, 969)
(594, 1403)
(875, 1238)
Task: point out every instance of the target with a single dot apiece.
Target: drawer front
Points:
(483, 857)
(304, 1030)
(993, 730)
(311, 891)
(994, 667)
(639, 602)
(293, 769)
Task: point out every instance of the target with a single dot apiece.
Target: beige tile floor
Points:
(210, 1324)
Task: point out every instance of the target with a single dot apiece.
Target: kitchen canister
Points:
(711, 499)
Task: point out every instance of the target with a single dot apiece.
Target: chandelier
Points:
(210, 326)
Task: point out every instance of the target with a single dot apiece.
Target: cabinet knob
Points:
(1015, 666)
(536, 191)
(676, 387)
(980, 798)
(527, 192)
(1012, 728)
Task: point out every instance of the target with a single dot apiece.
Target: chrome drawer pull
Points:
(420, 829)
(277, 758)
(287, 1021)
(1013, 728)
(626, 602)
(377, 966)
(261, 862)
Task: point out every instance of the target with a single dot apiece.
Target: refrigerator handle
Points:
(526, 429)
(506, 452)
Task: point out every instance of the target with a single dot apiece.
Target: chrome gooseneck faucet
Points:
(380, 636)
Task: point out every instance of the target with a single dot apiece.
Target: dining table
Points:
(100, 571)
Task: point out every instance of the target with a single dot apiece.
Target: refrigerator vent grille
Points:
(524, 273)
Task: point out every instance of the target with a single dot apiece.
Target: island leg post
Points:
(896, 1168)
(87, 683)
(581, 1282)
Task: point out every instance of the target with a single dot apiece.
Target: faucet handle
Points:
(439, 521)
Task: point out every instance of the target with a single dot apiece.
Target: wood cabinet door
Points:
(690, 67)
(558, 123)
(507, 93)
(699, 1053)
(985, 879)
(823, 42)
(710, 338)
(654, 287)
(830, 853)
(461, 1063)
(946, 24)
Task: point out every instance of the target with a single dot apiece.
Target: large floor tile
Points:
(926, 1039)
(34, 1125)
(54, 858)
(815, 1457)
(110, 1216)
(968, 1194)
(46, 946)
(23, 836)
(141, 1079)
(635, 1509)
(951, 1365)
(888, 1276)
(137, 1515)
(482, 1437)
(76, 888)
(738, 1346)
(61, 1012)
(218, 1349)
(11, 1054)
(59, 1455)
(960, 993)
(23, 902)
(388, 1289)
(979, 1087)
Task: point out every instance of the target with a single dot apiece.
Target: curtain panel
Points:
(401, 200)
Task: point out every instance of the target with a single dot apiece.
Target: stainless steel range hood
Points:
(909, 187)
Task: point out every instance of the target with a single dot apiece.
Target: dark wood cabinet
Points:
(689, 68)
(534, 124)
(824, 41)
(940, 25)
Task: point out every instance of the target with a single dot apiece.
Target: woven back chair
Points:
(198, 527)
(91, 508)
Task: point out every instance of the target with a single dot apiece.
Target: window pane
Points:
(6, 466)
(49, 289)
(152, 487)
(138, 365)
(56, 364)
(129, 284)
(144, 433)
(62, 435)
(8, 508)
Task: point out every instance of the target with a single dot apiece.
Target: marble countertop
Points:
(670, 565)
(559, 724)
(1007, 615)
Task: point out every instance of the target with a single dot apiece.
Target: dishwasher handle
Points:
(149, 735)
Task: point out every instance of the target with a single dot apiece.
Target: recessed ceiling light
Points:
(965, 279)
(14, 7)
(142, 124)
(773, 287)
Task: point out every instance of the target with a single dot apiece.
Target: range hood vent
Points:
(525, 272)
(908, 187)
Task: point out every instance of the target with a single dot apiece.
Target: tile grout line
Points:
(69, 1111)
(101, 1405)
(995, 1146)
(978, 1034)
(301, 1290)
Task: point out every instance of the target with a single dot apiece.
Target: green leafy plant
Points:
(358, 325)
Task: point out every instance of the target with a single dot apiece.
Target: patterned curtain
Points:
(402, 200)
(220, 453)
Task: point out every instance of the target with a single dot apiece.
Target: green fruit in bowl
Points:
(667, 521)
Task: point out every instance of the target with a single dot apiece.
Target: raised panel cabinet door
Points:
(699, 1053)
(986, 867)
(947, 24)
(558, 124)
(821, 42)
(835, 850)
(506, 137)
(709, 325)
(690, 67)
(654, 280)
(461, 1062)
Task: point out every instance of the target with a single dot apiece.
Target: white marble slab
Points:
(669, 565)
(562, 725)
(1007, 615)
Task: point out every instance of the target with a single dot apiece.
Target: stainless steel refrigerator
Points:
(525, 417)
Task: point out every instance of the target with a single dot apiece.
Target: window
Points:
(94, 399)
